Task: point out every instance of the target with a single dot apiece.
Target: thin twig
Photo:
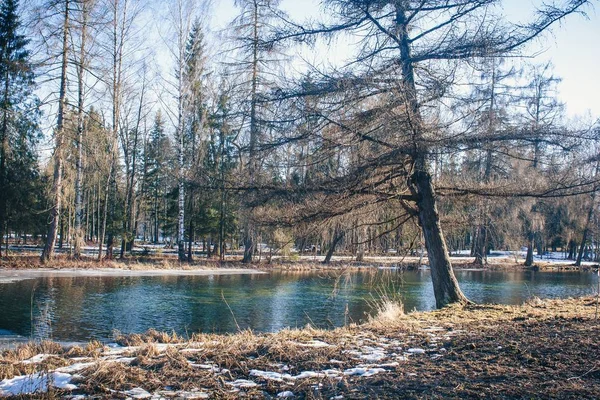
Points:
(231, 311)
(587, 373)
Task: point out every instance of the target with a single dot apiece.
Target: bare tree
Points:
(251, 28)
(84, 7)
(55, 210)
(391, 95)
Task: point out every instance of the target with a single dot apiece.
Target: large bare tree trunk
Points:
(529, 255)
(249, 230)
(180, 169)
(3, 153)
(338, 235)
(102, 230)
(48, 251)
(445, 285)
(79, 234)
(586, 229)
(360, 246)
(129, 225)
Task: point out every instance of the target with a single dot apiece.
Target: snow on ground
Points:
(36, 383)
(365, 357)
(138, 393)
(314, 343)
(242, 384)
(394, 260)
(37, 359)
(285, 395)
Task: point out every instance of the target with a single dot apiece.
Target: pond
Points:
(84, 308)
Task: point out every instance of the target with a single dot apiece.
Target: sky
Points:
(573, 47)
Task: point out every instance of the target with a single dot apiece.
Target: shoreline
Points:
(542, 349)
(15, 275)
(120, 269)
(31, 261)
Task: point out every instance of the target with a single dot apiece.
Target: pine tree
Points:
(196, 119)
(18, 125)
(156, 180)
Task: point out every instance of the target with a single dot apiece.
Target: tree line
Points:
(433, 135)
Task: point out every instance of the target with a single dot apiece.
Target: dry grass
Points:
(151, 336)
(11, 361)
(542, 349)
(31, 260)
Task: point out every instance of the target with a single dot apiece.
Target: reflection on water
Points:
(93, 307)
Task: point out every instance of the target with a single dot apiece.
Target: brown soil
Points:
(541, 350)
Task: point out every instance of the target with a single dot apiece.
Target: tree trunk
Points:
(102, 231)
(588, 220)
(529, 257)
(480, 246)
(360, 247)
(48, 251)
(249, 230)
(586, 231)
(4, 143)
(445, 285)
(191, 241)
(79, 234)
(222, 226)
(336, 239)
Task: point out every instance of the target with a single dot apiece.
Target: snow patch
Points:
(373, 354)
(270, 376)
(38, 382)
(364, 372)
(191, 350)
(309, 374)
(37, 359)
(416, 350)
(138, 393)
(285, 395)
(75, 367)
(242, 384)
(315, 343)
(186, 395)
(123, 360)
(389, 365)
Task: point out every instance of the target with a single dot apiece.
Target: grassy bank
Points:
(543, 349)
(169, 262)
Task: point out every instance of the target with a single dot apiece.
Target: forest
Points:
(130, 126)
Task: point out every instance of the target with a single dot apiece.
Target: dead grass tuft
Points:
(28, 350)
(147, 350)
(93, 349)
(108, 376)
(151, 336)
(387, 311)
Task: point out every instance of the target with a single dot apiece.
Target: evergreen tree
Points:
(157, 183)
(18, 112)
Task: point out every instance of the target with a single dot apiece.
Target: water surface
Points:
(82, 308)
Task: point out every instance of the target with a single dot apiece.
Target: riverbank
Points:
(543, 349)
(15, 275)
(232, 264)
